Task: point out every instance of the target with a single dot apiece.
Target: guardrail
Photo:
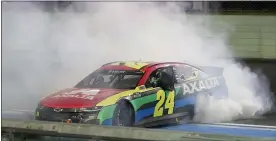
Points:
(12, 128)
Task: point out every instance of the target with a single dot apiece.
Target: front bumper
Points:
(67, 115)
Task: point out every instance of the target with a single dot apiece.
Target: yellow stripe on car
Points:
(113, 99)
(136, 65)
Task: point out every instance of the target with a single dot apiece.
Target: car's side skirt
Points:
(179, 114)
(168, 119)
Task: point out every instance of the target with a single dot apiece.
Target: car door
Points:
(162, 78)
(185, 94)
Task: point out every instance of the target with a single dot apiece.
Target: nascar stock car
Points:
(143, 94)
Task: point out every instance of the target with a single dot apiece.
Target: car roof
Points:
(133, 65)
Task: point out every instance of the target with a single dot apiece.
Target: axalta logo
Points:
(82, 94)
(200, 85)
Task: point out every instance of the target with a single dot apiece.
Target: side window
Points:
(156, 76)
(185, 73)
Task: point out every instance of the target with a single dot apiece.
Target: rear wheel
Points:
(123, 114)
(191, 112)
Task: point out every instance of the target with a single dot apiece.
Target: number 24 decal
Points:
(169, 104)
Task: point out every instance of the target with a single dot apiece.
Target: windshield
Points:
(116, 79)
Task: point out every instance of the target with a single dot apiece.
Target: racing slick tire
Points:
(123, 114)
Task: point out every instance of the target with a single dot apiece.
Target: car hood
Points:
(78, 98)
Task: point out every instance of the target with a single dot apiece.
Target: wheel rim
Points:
(119, 118)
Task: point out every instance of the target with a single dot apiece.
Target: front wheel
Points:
(123, 114)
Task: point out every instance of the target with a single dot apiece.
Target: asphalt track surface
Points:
(264, 126)
(269, 120)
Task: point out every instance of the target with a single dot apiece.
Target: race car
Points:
(143, 94)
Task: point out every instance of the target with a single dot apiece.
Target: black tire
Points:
(191, 112)
(123, 114)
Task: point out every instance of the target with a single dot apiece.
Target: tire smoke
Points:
(47, 51)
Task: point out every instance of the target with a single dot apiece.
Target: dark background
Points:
(210, 7)
(266, 66)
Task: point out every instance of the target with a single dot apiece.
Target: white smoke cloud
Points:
(47, 51)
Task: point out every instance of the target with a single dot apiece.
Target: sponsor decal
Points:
(200, 85)
(58, 109)
(83, 94)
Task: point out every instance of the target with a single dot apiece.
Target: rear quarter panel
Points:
(216, 74)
